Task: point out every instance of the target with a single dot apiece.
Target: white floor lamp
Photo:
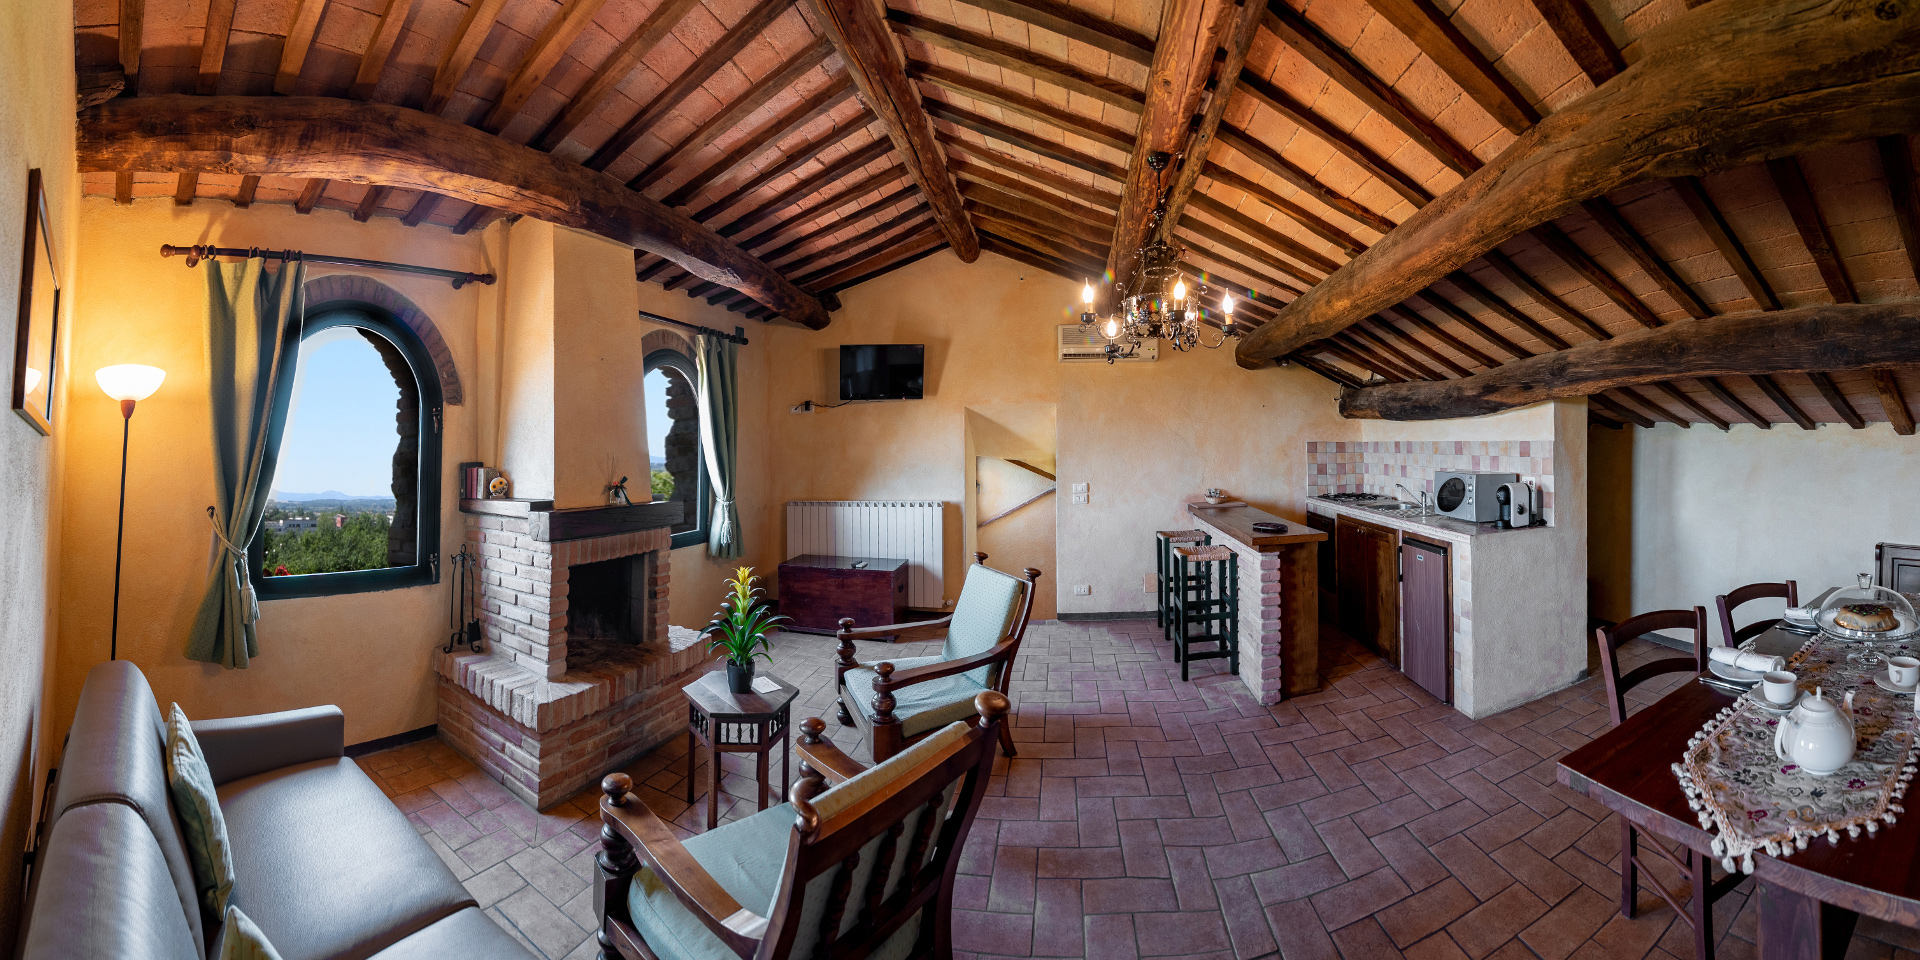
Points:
(128, 383)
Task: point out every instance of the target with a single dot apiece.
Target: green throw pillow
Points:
(242, 940)
(198, 807)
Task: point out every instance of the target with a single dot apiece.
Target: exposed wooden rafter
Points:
(1456, 56)
(1738, 406)
(1575, 256)
(880, 71)
(1896, 161)
(1828, 337)
(1247, 146)
(1075, 24)
(373, 62)
(249, 185)
(994, 129)
(1703, 96)
(133, 18)
(819, 104)
(1619, 411)
(614, 70)
(1019, 59)
(1581, 32)
(1830, 392)
(793, 161)
(1694, 194)
(1699, 409)
(1892, 402)
(396, 147)
(1305, 218)
(1812, 227)
(1234, 36)
(806, 186)
(1032, 108)
(1643, 254)
(559, 34)
(1771, 389)
(293, 51)
(1366, 158)
(1542, 296)
(756, 96)
(475, 24)
(213, 45)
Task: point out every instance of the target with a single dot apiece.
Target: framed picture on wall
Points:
(37, 341)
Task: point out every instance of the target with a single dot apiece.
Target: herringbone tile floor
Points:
(1146, 817)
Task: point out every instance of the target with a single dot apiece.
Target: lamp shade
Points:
(129, 381)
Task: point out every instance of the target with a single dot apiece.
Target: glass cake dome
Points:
(1868, 614)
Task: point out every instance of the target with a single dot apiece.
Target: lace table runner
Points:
(1752, 800)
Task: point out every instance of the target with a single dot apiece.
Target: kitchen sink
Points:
(1393, 507)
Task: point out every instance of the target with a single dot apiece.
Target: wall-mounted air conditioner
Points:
(1080, 343)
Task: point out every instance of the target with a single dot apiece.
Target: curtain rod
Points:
(739, 334)
(198, 252)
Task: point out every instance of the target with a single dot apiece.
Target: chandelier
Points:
(1155, 302)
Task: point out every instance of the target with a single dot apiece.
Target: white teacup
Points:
(1903, 671)
(1779, 687)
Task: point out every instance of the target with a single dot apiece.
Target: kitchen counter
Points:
(1432, 524)
(1279, 597)
(1237, 520)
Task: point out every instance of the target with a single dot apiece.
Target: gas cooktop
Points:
(1351, 497)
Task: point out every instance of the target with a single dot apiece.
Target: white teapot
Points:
(1818, 736)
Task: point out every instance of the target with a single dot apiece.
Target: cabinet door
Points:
(1329, 580)
(1369, 596)
(1425, 619)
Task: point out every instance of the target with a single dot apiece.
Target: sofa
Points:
(324, 863)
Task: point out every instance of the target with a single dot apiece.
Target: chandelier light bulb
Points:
(1179, 290)
(1113, 328)
(1226, 304)
(1086, 294)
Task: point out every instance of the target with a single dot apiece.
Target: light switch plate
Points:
(1079, 488)
(1082, 590)
(1079, 498)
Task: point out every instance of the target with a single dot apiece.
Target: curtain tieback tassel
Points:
(249, 601)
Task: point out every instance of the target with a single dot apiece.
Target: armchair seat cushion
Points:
(920, 707)
(746, 857)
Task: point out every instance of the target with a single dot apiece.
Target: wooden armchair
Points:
(901, 700)
(822, 875)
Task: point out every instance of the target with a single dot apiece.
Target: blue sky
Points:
(340, 432)
(657, 422)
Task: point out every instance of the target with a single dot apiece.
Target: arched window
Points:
(673, 441)
(355, 502)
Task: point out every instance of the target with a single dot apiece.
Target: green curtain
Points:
(254, 320)
(719, 429)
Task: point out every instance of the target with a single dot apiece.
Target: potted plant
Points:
(740, 629)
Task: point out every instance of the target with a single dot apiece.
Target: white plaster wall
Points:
(525, 389)
(1712, 511)
(1526, 423)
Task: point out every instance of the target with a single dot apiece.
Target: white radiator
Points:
(910, 530)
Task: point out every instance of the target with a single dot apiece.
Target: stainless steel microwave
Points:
(1469, 496)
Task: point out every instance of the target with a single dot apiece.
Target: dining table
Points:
(1810, 901)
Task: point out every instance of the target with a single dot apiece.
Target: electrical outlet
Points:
(1079, 498)
(1082, 590)
(1147, 583)
(804, 406)
(1079, 488)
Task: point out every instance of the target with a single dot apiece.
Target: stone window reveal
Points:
(671, 374)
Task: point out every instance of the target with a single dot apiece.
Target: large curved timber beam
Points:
(376, 143)
(1727, 83)
(1821, 339)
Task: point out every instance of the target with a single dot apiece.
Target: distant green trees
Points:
(662, 485)
(358, 544)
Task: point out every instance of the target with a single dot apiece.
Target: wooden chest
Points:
(816, 591)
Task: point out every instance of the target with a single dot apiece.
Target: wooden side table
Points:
(730, 722)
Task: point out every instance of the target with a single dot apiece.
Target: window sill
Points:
(341, 584)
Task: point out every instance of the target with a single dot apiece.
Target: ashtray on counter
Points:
(1268, 526)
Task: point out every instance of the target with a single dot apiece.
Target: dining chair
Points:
(1897, 566)
(859, 863)
(902, 699)
(1728, 602)
(1697, 909)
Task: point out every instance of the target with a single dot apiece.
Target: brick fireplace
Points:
(581, 672)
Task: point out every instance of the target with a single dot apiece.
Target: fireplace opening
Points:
(607, 600)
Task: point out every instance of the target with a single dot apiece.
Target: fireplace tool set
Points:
(466, 602)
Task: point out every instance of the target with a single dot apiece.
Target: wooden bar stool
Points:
(1164, 542)
(1205, 606)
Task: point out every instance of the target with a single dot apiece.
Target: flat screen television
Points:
(882, 371)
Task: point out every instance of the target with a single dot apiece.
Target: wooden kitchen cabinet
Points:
(1366, 561)
(1329, 580)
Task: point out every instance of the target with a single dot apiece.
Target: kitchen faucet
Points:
(1420, 498)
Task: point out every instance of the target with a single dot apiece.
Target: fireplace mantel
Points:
(548, 525)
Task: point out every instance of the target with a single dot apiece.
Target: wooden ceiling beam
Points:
(809, 185)
(393, 146)
(651, 270)
(1350, 75)
(1694, 194)
(1236, 264)
(1473, 324)
(614, 70)
(879, 69)
(1887, 387)
(1581, 32)
(1366, 158)
(906, 191)
(1025, 234)
(1896, 161)
(1456, 56)
(1738, 406)
(1095, 251)
(369, 202)
(552, 43)
(1540, 295)
(1188, 138)
(1812, 227)
(1575, 256)
(723, 52)
(1038, 213)
(984, 175)
(1333, 373)
(422, 209)
(851, 194)
(1075, 24)
(898, 254)
(1595, 419)
(1620, 411)
(473, 218)
(1287, 208)
(213, 45)
(1263, 233)
(1242, 250)
(293, 50)
(1019, 59)
(1245, 145)
(1345, 354)
(1373, 361)
(1438, 333)
(802, 114)
(792, 162)
(1368, 336)
(185, 187)
(1033, 108)
(1771, 389)
(132, 29)
(1703, 96)
(1827, 337)
(1031, 258)
(994, 129)
(475, 24)
(1487, 298)
(249, 185)
(1831, 393)
(310, 193)
(1009, 164)
(1686, 400)
(122, 187)
(1648, 404)
(756, 96)
(1636, 246)
(912, 215)
(373, 61)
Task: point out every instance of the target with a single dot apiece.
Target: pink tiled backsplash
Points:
(1374, 466)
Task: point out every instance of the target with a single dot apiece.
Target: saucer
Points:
(1759, 700)
(1885, 682)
